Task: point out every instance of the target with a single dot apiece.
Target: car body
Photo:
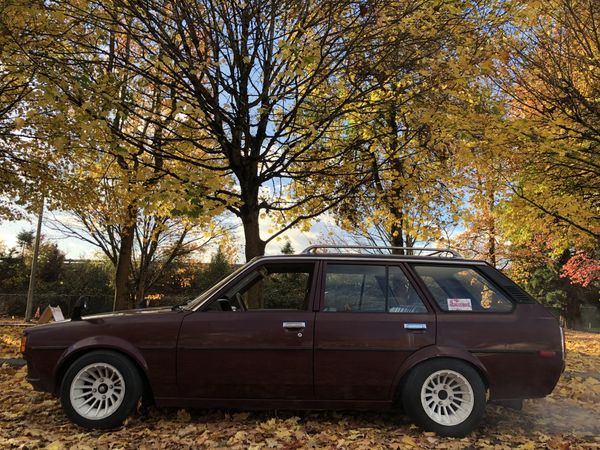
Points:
(315, 331)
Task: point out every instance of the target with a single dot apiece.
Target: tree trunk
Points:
(122, 293)
(572, 311)
(255, 246)
(396, 232)
(491, 251)
(140, 291)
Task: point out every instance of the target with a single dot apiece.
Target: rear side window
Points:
(369, 288)
(462, 289)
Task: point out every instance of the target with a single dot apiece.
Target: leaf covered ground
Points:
(568, 419)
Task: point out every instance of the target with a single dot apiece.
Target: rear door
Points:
(371, 319)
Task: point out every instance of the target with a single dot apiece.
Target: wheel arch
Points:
(435, 352)
(115, 345)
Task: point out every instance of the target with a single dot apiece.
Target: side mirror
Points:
(80, 306)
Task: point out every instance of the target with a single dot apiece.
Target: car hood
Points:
(102, 318)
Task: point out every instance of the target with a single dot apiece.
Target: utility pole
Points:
(34, 264)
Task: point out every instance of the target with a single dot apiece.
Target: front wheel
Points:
(100, 389)
(445, 396)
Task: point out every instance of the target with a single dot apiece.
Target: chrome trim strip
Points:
(307, 347)
(365, 349)
(499, 351)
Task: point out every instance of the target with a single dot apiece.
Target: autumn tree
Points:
(160, 241)
(417, 131)
(550, 71)
(15, 86)
(583, 268)
(487, 166)
(94, 119)
(243, 75)
(553, 78)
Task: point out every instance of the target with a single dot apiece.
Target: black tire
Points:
(414, 407)
(133, 387)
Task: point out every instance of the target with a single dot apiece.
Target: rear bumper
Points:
(35, 383)
(33, 377)
(521, 375)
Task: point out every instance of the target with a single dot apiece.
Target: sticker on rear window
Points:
(459, 304)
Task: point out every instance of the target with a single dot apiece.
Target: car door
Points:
(254, 340)
(370, 320)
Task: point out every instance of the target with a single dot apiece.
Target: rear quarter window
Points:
(462, 289)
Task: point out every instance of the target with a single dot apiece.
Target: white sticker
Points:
(459, 304)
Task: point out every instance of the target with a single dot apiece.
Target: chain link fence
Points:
(15, 304)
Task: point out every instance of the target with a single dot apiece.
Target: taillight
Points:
(23, 343)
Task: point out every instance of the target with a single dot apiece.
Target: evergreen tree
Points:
(288, 249)
(218, 268)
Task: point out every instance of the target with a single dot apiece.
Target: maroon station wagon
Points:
(331, 328)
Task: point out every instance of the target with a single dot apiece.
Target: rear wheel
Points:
(100, 389)
(446, 396)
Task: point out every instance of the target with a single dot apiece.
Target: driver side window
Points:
(274, 286)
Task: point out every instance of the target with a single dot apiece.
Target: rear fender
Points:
(431, 352)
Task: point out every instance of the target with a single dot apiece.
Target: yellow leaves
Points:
(183, 415)
(583, 352)
(238, 437)
(580, 388)
(409, 441)
(10, 341)
(19, 122)
(21, 373)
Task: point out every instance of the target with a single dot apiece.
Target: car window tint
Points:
(369, 288)
(402, 296)
(462, 289)
(273, 286)
(355, 288)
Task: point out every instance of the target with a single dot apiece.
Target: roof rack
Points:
(432, 251)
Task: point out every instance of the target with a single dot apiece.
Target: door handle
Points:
(415, 326)
(294, 325)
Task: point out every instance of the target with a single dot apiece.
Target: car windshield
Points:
(207, 293)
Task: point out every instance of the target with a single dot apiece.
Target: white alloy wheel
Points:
(447, 397)
(97, 391)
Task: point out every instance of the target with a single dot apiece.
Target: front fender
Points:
(97, 342)
(436, 351)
